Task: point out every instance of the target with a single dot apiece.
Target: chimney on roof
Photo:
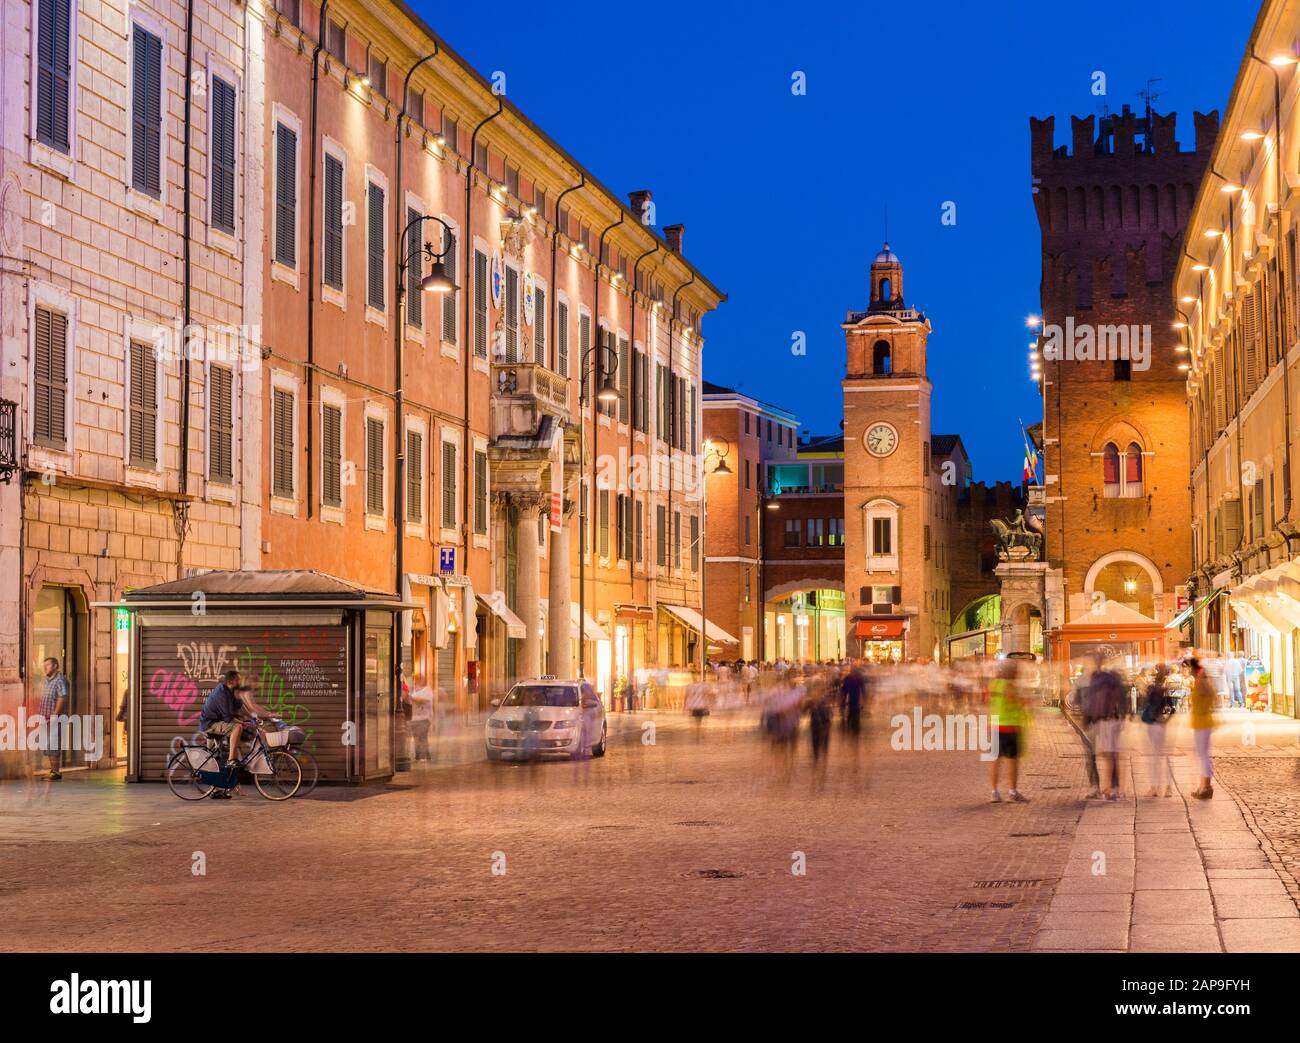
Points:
(673, 233)
(641, 205)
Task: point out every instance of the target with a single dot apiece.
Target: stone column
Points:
(559, 623)
(528, 586)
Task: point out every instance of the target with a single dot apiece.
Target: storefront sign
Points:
(121, 619)
(447, 560)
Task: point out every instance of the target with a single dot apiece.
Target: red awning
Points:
(879, 629)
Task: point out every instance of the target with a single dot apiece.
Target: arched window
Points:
(886, 291)
(882, 359)
(1121, 473)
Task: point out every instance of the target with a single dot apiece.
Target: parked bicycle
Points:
(197, 770)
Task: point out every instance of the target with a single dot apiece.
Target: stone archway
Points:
(1128, 577)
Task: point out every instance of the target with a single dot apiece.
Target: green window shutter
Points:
(282, 439)
(375, 246)
(414, 295)
(480, 304)
(143, 396)
(51, 384)
(449, 299)
(539, 326)
(221, 425)
(374, 466)
(414, 476)
(562, 339)
(286, 196)
(332, 265)
(54, 73)
(146, 112)
(480, 493)
(331, 493)
(511, 308)
(223, 155)
(448, 485)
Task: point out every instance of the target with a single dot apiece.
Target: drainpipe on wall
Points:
(555, 245)
(467, 234)
(636, 267)
(309, 442)
(672, 424)
(181, 508)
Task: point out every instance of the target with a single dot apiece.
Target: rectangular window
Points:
(695, 543)
(336, 41)
(450, 131)
(414, 477)
(793, 532)
(375, 246)
(816, 532)
(332, 263)
(539, 326)
(622, 528)
(415, 108)
(378, 75)
(639, 536)
(143, 420)
(925, 542)
(221, 424)
(414, 295)
(331, 488)
(882, 536)
(281, 442)
(289, 10)
(223, 156)
(449, 485)
(602, 510)
(661, 536)
(480, 304)
(146, 112)
(835, 536)
(562, 339)
(50, 399)
(480, 492)
(624, 379)
(374, 465)
(677, 539)
(584, 345)
(450, 298)
(54, 73)
(286, 195)
(510, 305)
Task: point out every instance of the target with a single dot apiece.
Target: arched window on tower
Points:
(886, 291)
(1121, 472)
(882, 359)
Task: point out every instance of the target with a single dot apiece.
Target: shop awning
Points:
(593, 630)
(691, 618)
(1177, 622)
(496, 604)
(879, 629)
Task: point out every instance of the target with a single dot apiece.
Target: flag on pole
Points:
(1029, 474)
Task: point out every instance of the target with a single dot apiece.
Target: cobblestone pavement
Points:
(684, 845)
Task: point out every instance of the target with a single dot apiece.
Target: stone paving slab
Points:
(1160, 937)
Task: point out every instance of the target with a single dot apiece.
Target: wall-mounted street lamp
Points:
(713, 461)
(438, 280)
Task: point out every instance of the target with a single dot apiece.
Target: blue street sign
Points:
(447, 560)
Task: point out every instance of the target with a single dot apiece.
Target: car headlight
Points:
(493, 722)
(562, 724)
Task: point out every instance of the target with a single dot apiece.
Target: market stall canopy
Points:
(878, 629)
(496, 604)
(691, 618)
(1109, 613)
(593, 630)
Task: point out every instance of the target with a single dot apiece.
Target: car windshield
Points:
(542, 695)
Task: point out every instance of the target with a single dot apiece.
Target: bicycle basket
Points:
(296, 735)
(278, 738)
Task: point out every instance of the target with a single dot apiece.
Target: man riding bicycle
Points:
(228, 707)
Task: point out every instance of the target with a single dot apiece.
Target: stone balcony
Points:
(522, 394)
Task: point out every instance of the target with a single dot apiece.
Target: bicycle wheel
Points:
(284, 779)
(184, 780)
(310, 770)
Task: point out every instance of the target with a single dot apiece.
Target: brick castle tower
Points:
(1112, 210)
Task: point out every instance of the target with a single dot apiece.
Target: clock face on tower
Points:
(880, 440)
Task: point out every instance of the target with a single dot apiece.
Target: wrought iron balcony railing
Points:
(8, 440)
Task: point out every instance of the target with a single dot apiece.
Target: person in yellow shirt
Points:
(1201, 702)
(1008, 707)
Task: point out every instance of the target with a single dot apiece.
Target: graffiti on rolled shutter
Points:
(297, 673)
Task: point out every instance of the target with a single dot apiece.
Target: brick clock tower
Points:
(896, 598)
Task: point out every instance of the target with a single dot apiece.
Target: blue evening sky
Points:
(908, 106)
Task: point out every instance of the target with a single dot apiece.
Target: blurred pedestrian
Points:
(1008, 709)
(422, 706)
(1108, 710)
(1157, 708)
(1202, 723)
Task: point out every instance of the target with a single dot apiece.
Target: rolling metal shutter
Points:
(297, 673)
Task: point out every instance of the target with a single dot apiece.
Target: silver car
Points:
(546, 717)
